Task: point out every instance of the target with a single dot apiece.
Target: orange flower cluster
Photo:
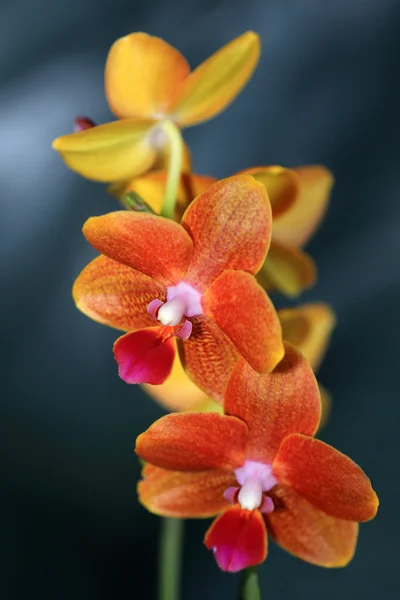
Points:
(201, 333)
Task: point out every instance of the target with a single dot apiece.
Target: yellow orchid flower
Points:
(308, 327)
(297, 210)
(148, 84)
(299, 199)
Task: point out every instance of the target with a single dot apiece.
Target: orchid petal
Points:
(208, 357)
(275, 404)
(308, 327)
(326, 478)
(143, 76)
(110, 152)
(184, 495)
(297, 225)
(282, 186)
(116, 295)
(230, 225)
(151, 187)
(217, 81)
(178, 392)
(143, 357)
(326, 405)
(243, 311)
(238, 539)
(303, 530)
(194, 442)
(150, 244)
(287, 269)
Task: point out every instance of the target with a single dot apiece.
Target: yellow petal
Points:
(282, 185)
(151, 187)
(326, 405)
(143, 76)
(286, 269)
(211, 406)
(110, 152)
(217, 81)
(178, 393)
(297, 225)
(120, 188)
(309, 328)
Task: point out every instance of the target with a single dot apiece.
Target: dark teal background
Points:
(326, 91)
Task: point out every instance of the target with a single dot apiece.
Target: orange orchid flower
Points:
(147, 82)
(299, 199)
(308, 327)
(192, 281)
(259, 468)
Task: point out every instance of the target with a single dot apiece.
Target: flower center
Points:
(171, 313)
(182, 301)
(254, 478)
(158, 138)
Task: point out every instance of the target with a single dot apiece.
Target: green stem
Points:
(174, 168)
(170, 559)
(250, 586)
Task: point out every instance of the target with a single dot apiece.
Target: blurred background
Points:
(326, 91)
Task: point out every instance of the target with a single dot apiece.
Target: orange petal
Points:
(194, 442)
(230, 225)
(274, 405)
(310, 534)
(110, 152)
(184, 495)
(238, 539)
(328, 479)
(298, 224)
(155, 246)
(287, 270)
(243, 311)
(217, 81)
(208, 357)
(151, 187)
(282, 186)
(308, 327)
(178, 392)
(143, 75)
(116, 295)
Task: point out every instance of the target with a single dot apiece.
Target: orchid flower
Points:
(192, 281)
(299, 199)
(288, 268)
(259, 468)
(149, 83)
(308, 327)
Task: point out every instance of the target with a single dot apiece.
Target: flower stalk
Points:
(174, 167)
(250, 587)
(170, 559)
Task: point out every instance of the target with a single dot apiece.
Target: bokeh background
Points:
(326, 91)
